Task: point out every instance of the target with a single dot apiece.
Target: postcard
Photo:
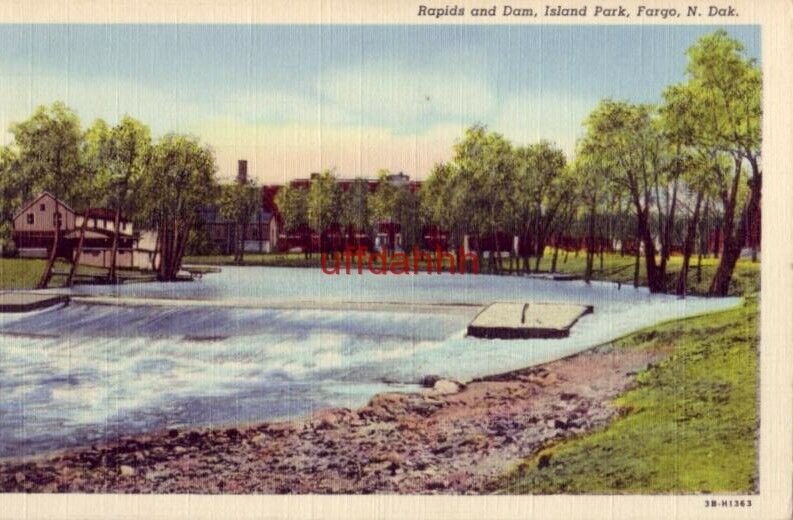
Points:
(395, 260)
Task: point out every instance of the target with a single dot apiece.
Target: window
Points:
(42, 207)
(30, 218)
(57, 220)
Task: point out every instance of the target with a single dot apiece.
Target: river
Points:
(86, 373)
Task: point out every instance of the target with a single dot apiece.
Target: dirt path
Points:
(444, 440)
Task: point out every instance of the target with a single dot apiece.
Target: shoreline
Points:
(451, 438)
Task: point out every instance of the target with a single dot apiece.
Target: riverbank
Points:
(690, 425)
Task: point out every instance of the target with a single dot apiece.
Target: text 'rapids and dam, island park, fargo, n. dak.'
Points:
(581, 11)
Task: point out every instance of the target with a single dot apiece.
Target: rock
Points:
(429, 381)
(259, 439)
(568, 396)
(126, 471)
(331, 418)
(394, 458)
(19, 477)
(447, 386)
(280, 429)
(386, 406)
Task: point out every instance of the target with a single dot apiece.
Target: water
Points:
(87, 373)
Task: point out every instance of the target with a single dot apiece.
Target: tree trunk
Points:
(114, 252)
(47, 274)
(590, 246)
(733, 237)
(601, 248)
(753, 228)
(78, 254)
(555, 257)
(164, 247)
(688, 246)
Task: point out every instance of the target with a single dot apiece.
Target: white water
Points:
(86, 373)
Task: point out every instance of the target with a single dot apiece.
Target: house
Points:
(36, 222)
(261, 231)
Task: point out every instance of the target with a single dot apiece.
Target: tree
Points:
(624, 142)
(94, 171)
(48, 148)
(541, 192)
(725, 110)
(181, 178)
(323, 204)
(10, 196)
(408, 214)
(238, 203)
(292, 204)
(356, 214)
(484, 167)
(124, 154)
(590, 181)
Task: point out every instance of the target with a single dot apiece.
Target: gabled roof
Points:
(42, 195)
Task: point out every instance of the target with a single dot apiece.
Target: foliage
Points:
(292, 207)
(356, 211)
(182, 179)
(323, 202)
(238, 203)
(47, 146)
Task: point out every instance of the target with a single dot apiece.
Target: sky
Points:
(297, 99)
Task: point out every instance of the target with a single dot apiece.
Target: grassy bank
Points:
(689, 426)
(20, 273)
(24, 273)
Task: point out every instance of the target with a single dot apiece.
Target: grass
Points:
(20, 273)
(690, 425)
(618, 268)
(24, 273)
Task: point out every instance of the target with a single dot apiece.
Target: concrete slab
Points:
(14, 301)
(515, 320)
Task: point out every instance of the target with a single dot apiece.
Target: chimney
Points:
(242, 171)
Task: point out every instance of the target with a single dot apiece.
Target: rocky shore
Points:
(450, 438)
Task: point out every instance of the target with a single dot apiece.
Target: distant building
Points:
(261, 232)
(36, 222)
(386, 234)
